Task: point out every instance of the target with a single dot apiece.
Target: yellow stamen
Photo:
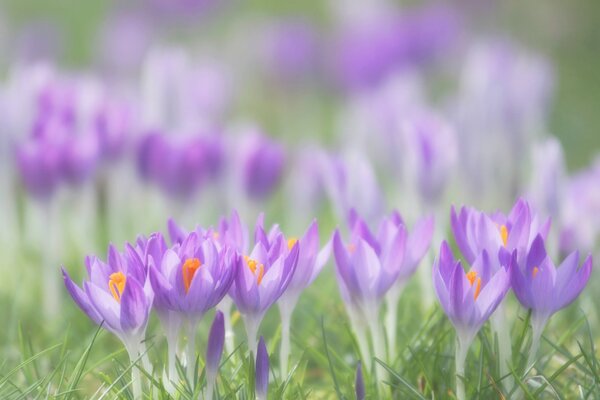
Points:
(504, 234)
(291, 242)
(215, 235)
(472, 277)
(535, 271)
(189, 268)
(116, 284)
(251, 264)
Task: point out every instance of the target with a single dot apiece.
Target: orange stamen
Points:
(351, 248)
(261, 273)
(472, 277)
(535, 271)
(477, 288)
(504, 234)
(116, 284)
(189, 268)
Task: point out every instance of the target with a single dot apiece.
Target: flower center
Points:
(116, 284)
(257, 269)
(188, 270)
(291, 242)
(535, 271)
(504, 234)
(474, 279)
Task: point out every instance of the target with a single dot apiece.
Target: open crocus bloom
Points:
(261, 280)
(469, 299)
(193, 277)
(116, 293)
(475, 231)
(543, 288)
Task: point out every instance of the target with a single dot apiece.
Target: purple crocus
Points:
(468, 299)
(179, 165)
(189, 279)
(544, 289)
(310, 263)
(367, 267)
(260, 282)
(214, 351)
(261, 371)
(262, 161)
(476, 231)
(118, 295)
(359, 383)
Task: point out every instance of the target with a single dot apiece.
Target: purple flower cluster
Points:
(183, 281)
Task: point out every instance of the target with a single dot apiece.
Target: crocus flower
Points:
(468, 299)
(260, 282)
(214, 351)
(475, 231)
(190, 279)
(261, 372)
(431, 154)
(179, 165)
(544, 289)
(262, 161)
(118, 295)
(359, 383)
(367, 267)
(310, 263)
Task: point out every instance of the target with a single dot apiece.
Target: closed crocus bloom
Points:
(367, 267)
(260, 282)
(544, 289)
(261, 165)
(475, 231)
(432, 152)
(118, 295)
(261, 371)
(214, 351)
(359, 383)
(468, 299)
(39, 165)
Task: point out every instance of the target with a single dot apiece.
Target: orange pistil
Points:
(116, 284)
(535, 271)
(474, 279)
(504, 234)
(188, 270)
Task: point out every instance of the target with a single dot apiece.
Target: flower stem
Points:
(191, 351)
(376, 336)
(500, 328)
(284, 350)
(225, 308)
(132, 348)
(537, 328)
(461, 356)
(391, 319)
(361, 339)
(251, 325)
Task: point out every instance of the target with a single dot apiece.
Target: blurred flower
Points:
(511, 116)
(431, 154)
(369, 50)
(261, 371)
(179, 165)
(580, 222)
(292, 50)
(262, 161)
(548, 178)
